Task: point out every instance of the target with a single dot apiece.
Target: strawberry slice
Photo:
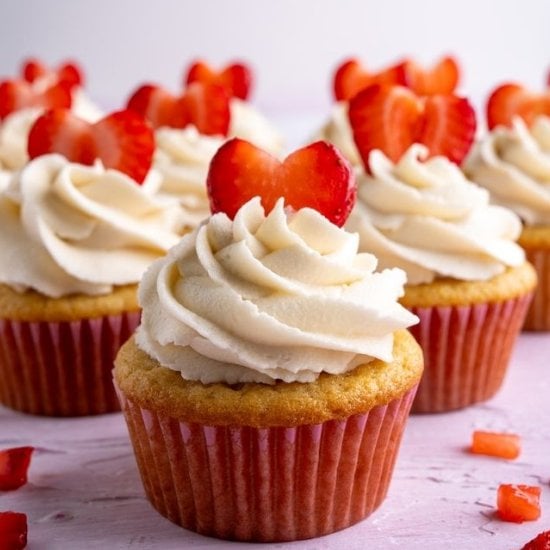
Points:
(235, 78)
(206, 106)
(509, 100)
(69, 72)
(316, 176)
(501, 445)
(391, 118)
(122, 141)
(518, 503)
(540, 542)
(14, 464)
(18, 94)
(350, 78)
(13, 531)
(441, 79)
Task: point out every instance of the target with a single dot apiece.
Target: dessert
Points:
(78, 231)
(467, 279)
(255, 412)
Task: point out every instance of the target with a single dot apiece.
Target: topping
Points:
(496, 444)
(18, 94)
(13, 530)
(68, 72)
(442, 79)
(235, 78)
(122, 140)
(205, 106)
(316, 176)
(14, 464)
(518, 503)
(511, 100)
(350, 78)
(540, 542)
(392, 118)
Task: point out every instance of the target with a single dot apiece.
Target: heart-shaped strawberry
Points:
(441, 79)
(510, 100)
(316, 176)
(69, 72)
(391, 118)
(206, 106)
(235, 78)
(18, 94)
(350, 78)
(122, 140)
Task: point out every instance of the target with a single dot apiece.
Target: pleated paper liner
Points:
(538, 316)
(267, 484)
(467, 350)
(62, 368)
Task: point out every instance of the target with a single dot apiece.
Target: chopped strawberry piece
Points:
(18, 94)
(206, 106)
(496, 444)
(122, 140)
(350, 78)
(441, 79)
(316, 176)
(235, 78)
(540, 542)
(391, 118)
(68, 72)
(510, 100)
(13, 531)
(14, 464)
(518, 503)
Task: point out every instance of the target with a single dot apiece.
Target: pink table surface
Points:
(84, 490)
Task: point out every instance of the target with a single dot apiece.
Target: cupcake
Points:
(75, 240)
(351, 77)
(467, 278)
(512, 161)
(189, 129)
(267, 387)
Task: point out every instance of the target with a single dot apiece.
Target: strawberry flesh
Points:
(540, 542)
(235, 78)
(501, 445)
(316, 176)
(69, 72)
(13, 531)
(518, 503)
(14, 465)
(441, 79)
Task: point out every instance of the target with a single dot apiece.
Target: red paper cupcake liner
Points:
(267, 484)
(62, 368)
(466, 352)
(538, 316)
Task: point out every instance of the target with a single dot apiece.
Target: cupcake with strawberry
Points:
(271, 351)
(23, 99)
(189, 129)
(351, 77)
(78, 231)
(468, 280)
(512, 161)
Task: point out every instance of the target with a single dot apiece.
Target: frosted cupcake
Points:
(243, 362)
(512, 161)
(467, 279)
(75, 241)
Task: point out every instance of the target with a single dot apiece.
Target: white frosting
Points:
(514, 165)
(427, 219)
(265, 298)
(68, 228)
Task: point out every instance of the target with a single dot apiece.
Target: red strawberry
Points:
(13, 531)
(391, 118)
(509, 100)
(18, 94)
(442, 79)
(122, 140)
(69, 72)
(350, 78)
(14, 464)
(316, 176)
(518, 503)
(540, 542)
(235, 78)
(206, 106)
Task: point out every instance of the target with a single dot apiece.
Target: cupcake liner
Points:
(267, 484)
(538, 316)
(466, 351)
(62, 368)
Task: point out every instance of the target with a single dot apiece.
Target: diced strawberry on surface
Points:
(518, 503)
(540, 542)
(14, 465)
(13, 531)
(502, 445)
